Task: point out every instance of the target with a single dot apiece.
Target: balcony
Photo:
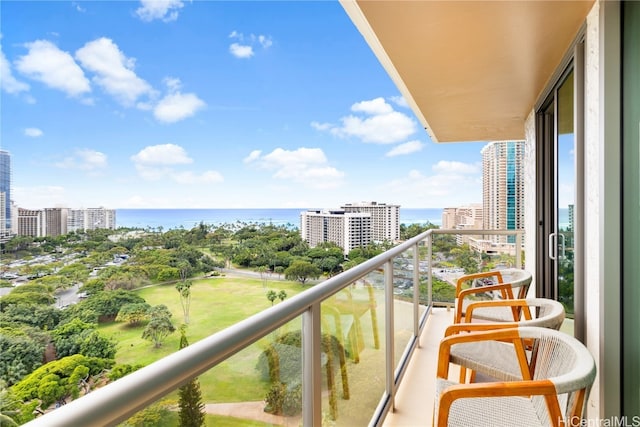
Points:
(357, 349)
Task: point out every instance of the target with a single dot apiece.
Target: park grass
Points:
(216, 303)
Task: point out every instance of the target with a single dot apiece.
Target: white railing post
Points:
(416, 290)
(389, 332)
(311, 367)
(429, 266)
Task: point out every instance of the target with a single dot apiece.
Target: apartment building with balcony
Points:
(91, 219)
(348, 230)
(55, 221)
(385, 219)
(30, 222)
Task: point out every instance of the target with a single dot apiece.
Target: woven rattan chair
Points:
(503, 284)
(492, 358)
(557, 378)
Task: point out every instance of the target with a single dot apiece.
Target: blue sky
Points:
(210, 104)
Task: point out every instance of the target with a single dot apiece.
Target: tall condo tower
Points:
(5, 193)
(503, 187)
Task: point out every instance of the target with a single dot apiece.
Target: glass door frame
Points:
(546, 183)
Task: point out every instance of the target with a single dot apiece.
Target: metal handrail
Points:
(117, 401)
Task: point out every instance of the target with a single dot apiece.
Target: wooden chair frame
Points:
(549, 388)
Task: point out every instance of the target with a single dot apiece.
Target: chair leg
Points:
(333, 401)
(343, 372)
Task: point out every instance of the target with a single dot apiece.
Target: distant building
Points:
(385, 219)
(461, 218)
(353, 225)
(91, 219)
(5, 194)
(55, 221)
(30, 222)
(503, 188)
(348, 230)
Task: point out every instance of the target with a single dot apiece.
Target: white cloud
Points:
(53, 67)
(434, 190)
(406, 148)
(157, 162)
(320, 126)
(78, 7)
(399, 101)
(449, 167)
(254, 155)
(33, 132)
(189, 177)
(164, 154)
(177, 106)
(244, 47)
(374, 107)
(265, 41)
(85, 159)
(166, 10)
(114, 72)
(306, 166)
(377, 123)
(8, 83)
(241, 51)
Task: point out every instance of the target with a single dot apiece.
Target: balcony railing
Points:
(403, 310)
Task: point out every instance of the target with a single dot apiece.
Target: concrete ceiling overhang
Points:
(471, 70)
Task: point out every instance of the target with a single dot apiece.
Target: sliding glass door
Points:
(556, 179)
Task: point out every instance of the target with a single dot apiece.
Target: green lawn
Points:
(216, 304)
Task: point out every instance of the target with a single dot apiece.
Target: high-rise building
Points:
(30, 222)
(5, 193)
(348, 230)
(55, 221)
(385, 219)
(503, 187)
(91, 219)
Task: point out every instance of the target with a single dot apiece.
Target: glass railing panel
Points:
(353, 371)
(258, 386)
(404, 274)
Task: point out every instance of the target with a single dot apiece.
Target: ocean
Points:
(189, 218)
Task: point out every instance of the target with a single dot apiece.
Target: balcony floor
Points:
(414, 397)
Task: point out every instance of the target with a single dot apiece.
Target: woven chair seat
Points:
(490, 358)
(505, 411)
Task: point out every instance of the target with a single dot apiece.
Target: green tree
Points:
(282, 295)
(157, 330)
(160, 326)
(133, 313)
(19, 356)
(78, 337)
(272, 295)
(302, 271)
(8, 408)
(59, 380)
(184, 290)
(191, 409)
